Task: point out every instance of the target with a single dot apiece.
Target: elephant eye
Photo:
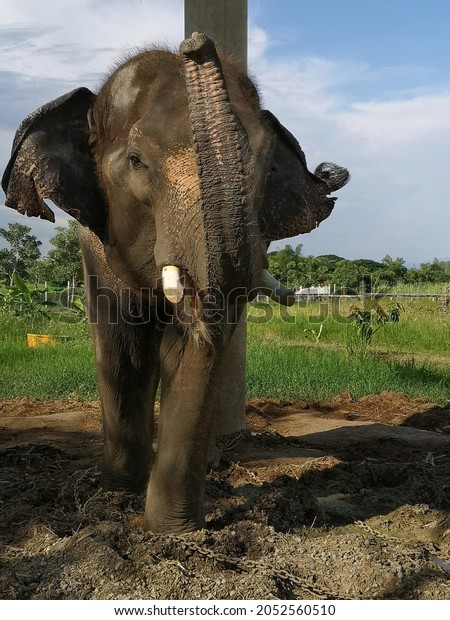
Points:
(135, 162)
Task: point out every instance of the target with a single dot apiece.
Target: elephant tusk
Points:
(172, 286)
(276, 291)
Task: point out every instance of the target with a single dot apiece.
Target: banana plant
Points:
(363, 325)
(21, 300)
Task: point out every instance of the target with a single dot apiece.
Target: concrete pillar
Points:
(230, 412)
(225, 21)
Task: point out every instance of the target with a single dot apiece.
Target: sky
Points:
(363, 83)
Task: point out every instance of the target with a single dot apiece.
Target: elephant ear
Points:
(51, 159)
(295, 200)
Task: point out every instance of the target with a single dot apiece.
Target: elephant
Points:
(179, 181)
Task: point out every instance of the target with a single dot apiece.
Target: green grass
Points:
(319, 373)
(421, 288)
(47, 372)
(285, 356)
(423, 328)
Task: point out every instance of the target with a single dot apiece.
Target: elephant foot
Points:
(163, 519)
(112, 480)
(170, 526)
(171, 509)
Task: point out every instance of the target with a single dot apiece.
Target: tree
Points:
(295, 270)
(348, 275)
(63, 261)
(305, 272)
(323, 271)
(392, 271)
(40, 272)
(283, 264)
(433, 272)
(22, 253)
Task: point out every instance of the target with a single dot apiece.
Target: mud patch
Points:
(339, 500)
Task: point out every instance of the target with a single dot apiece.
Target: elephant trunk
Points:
(220, 144)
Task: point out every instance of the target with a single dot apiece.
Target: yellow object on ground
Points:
(38, 340)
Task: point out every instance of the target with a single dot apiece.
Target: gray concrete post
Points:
(225, 21)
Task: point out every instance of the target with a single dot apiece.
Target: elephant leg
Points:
(176, 489)
(127, 354)
(127, 383)
(126, 339)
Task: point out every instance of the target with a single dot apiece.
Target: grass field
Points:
(301, 353)
(295, 353)
(46, 372)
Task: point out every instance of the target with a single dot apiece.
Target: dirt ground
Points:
(339, 500)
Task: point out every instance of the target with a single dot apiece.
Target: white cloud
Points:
(258, 43)
(399, 123)
(397, 150)
(401, 151)
(73, 39)
(301, 86)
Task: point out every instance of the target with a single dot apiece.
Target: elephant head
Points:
(173, 163)
(183, 181)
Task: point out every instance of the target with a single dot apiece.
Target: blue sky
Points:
(380, 33)
(363, 83)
